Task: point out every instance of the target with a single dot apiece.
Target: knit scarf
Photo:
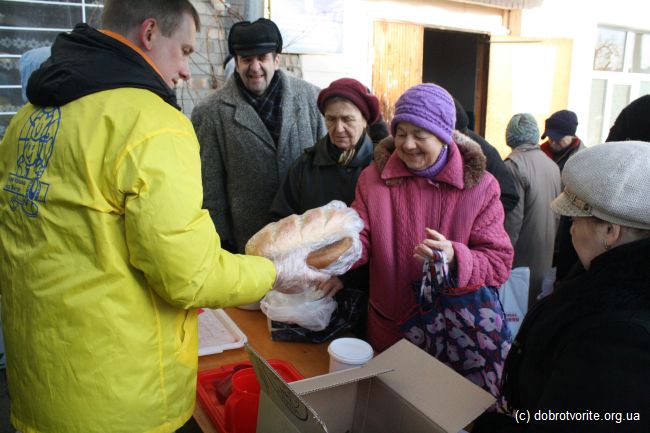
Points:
(436, 167)
(558, 155)
(268, 105)
(343, 157)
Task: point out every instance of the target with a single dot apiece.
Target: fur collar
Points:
(474, 160)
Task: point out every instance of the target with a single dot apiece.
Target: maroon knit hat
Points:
(355, 92)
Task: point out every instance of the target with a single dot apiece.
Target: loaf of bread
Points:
(323, 233)
(325, 256)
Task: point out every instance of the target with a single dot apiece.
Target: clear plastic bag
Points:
(514, 297)
(299, 308)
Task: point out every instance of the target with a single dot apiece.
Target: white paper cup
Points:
(348, 353)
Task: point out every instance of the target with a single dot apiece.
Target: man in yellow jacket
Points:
(105, 251)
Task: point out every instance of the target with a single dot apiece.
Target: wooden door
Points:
(398, 51)
(525, 75)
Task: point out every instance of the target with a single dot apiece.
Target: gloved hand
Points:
(293, 275)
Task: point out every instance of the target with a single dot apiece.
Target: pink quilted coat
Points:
(462, 202)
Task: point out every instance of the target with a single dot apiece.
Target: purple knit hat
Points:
(428, 106)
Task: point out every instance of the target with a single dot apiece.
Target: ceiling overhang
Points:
(505, 4)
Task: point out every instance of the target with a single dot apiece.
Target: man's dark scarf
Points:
(268, 105)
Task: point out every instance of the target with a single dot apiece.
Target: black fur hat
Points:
(252, 38)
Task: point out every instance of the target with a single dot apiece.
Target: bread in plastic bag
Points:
(294, 241)
(291, 241)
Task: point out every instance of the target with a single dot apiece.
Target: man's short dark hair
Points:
(122, 16)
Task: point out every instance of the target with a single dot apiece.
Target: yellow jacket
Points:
(105, 254)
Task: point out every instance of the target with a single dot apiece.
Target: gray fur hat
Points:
(522, 129)
(608, 181)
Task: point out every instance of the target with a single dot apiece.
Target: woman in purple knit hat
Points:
(430, 198)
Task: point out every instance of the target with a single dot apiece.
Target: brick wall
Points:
(217, 16)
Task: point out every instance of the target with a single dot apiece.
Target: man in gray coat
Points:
(532, 224)
(250, 132)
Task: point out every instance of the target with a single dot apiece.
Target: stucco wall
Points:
(356, 59)
(575, 20)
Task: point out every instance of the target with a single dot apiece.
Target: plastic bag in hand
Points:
(301, 309)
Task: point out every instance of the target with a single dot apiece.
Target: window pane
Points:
(39, 15)
(644, 88)
(596, 108)
(28, 3)
(620, 98)
(19, 41)
(642, 53)
(11, 100)
(9, 73)
(610, 50)
(94, 16)
(4, 122)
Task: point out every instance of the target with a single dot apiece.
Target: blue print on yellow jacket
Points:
(35, 147)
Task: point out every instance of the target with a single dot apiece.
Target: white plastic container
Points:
(218, 332)
(348, 353)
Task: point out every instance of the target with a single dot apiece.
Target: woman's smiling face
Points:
(416, 147)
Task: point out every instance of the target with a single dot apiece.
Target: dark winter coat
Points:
(509, 196)
(315, 179)
(242, 167)
(565, 257)
(586, 349)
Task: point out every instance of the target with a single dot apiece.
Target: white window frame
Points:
(624, 77)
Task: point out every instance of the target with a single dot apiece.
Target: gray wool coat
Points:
(532, 224)
(242, 167)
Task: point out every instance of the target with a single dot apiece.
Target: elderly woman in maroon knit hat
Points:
(329, 170)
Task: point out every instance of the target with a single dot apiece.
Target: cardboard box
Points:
(402, 390)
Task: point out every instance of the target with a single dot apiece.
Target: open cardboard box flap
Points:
(410, 388)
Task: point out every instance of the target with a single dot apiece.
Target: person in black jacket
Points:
(632, 122)
(329, 171)
(581, 360)
(495, 165)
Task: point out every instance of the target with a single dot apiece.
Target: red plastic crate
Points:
(208, 380)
